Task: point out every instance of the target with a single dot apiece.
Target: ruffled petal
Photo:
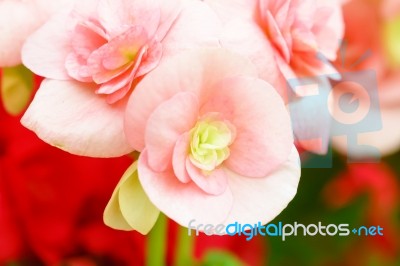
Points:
(262, 199)
(166, 124)
(180, 155)
(196, 27)
(17, 19)
(46, 50)
(70, 116)
(207, 66)
(213, 183)
(182, 202)
(264, 135)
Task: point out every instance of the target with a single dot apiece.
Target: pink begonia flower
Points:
(382, 40)
(18, 19)
(296, 30)
(92, 58)
(216, 142)
(300, 37)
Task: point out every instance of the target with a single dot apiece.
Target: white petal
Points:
(70, 116)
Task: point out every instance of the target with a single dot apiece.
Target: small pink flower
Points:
(299, 30)
(296, 30)
(105, 47)
(216, 142)
(18, 19)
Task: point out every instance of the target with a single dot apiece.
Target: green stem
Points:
(156, 242)
(184, 250)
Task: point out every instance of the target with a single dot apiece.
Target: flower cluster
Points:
(203, 107)
(195, 90)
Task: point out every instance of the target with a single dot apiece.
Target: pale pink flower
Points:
(296, 30)
(298, 37)
(18, 19)
(104, 47)
(382, 42)
(216, 141)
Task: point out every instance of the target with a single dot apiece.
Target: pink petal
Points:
(214, 183)
(166, 124)
(118, 95)
(77, 68)
(117, 83)
(169, 11)
(150, 59)
(46, 50)
(305, 11)
(104, 76)
(282, 11)
(228, 9)
(277, 38)
(119, 86)
(85, 40)
(262, 199)
(18, 20)
(285, 69)
(131, 40)
(115, 15)
(145, 61)
(264, 135)
(109, 61)
(304, 40)
(309, 64)
(180, 154)
(206, 67)
(330, 37)
(182, 202)
(70, 116)
(86, 9)
(196, 27)
(249, 40)
(47, 7)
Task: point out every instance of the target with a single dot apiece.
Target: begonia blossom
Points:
(92, 57)
(216, 145)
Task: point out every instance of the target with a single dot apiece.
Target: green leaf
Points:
(16, 88)
(220, 258)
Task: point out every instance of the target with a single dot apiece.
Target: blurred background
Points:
(51, 202)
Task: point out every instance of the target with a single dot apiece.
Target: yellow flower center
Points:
(129, 53)
(209, 146)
